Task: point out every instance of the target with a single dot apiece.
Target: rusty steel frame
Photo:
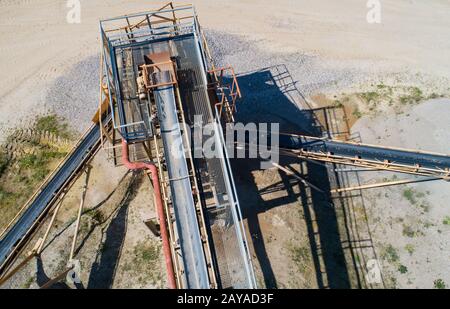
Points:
(301, 179)
(380, 165)
(149, 86)
(80, 212)
(50, 282)
(201, 217)
(50, 225)
(382, 184)
(217, 82)
(147, 70)
(164, 181)
(234, 92)
(156, 13)
(102, 109)
(114, 34)
(143, 22)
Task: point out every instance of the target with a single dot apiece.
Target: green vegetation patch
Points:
(147, 252)
(410, 249)
(416, 198)
(37, 165)
(409, 195)
(7, 199)
(357, 113)
(371, 96)
(413, 96)
(446, 220)
(439, 284)
(402, 269)
(97, 216)
(28, 283)
(3, 162)
(53, 124)
(380, 96)
(24, 169)
(146, 263)
(390, 254)
(300, 256)
(410, 232)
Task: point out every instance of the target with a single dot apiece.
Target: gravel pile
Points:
(311, 73)
(75, 95)
(276, 86)
(295, 77)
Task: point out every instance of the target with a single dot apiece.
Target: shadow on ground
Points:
(103, 270)
(270, 95)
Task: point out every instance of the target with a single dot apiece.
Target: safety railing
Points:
(234, 208)
(228, 92)
(167, 20)
(150, 69)
(135, 30)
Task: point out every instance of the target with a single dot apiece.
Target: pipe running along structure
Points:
(151, 167)
(159, 78)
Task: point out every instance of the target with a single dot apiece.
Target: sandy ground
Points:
(38, 46)
(327, 46)
(426, 250)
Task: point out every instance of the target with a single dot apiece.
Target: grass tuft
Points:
(402, 269)
(390, 254)
(357, 113)
(446, 220)
(410, 249)
(146, 262)
(19, 177)
(409, 194)
(439, 284)
(53, 124)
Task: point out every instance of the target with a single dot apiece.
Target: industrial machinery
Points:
(158, 82)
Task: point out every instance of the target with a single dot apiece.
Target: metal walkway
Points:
(232, 258)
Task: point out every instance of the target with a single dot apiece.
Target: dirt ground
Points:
(413, 231)
(114, 247)
(299, 238)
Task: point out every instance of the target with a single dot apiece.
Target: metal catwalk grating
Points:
(227, 244)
